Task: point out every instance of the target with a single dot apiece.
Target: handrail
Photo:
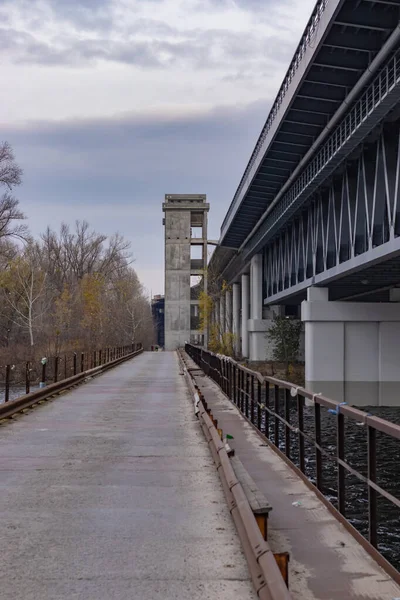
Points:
(268, 405)
(10, 408)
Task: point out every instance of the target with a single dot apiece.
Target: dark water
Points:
(388, 468)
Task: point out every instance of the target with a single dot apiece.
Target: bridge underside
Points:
(345, 48)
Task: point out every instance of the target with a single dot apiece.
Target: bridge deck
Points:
(326, 563)
(111, 492)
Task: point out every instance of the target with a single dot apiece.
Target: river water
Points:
(388, 470)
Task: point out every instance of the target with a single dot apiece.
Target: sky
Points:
(111, 104)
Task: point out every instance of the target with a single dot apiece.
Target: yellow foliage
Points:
(92, 290)
(205, 308)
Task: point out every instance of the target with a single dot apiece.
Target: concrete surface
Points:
(110, 492)
(352, 350)
(326, 563)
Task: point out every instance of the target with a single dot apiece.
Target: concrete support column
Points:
(256, 299)
(257, 326)
(245, 315)
(228, 311)
(236, 316)
(351, 349)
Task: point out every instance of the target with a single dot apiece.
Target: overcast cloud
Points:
(110, 104)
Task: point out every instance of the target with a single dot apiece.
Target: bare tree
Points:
(10, 176)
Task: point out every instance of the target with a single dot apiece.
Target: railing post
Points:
(341, 470)
(247, 394)
(318, 454)
(276, 409)
(252, 398)
(56, 359)
(94, 359)
(372, 495)
(27, 378)
(100, 358)
(266, 422)
(234, 385)
(7, 384)
(82, 362)
(287, 419)
(65, 366)
(74, 363)
(259, 412)
(300, 414)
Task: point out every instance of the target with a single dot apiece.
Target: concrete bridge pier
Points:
(352, 349)
(257, 327)
(245, 315)
(236, 316)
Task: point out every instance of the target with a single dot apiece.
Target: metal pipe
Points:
(368, 73)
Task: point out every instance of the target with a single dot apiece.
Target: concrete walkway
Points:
(326, 563)
(110, 492)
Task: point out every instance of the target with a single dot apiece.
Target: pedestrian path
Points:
(326, 563)
(110, 492)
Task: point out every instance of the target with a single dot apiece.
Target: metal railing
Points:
(376, 101)
(17, 379)
(282, 412)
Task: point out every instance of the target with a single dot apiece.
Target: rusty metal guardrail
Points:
(266, 576)
(266, 403)
(29, 374)
(27, 400)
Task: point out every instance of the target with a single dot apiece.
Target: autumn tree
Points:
(284, 334)
(71, 289)
(220, 336)
(24, 286)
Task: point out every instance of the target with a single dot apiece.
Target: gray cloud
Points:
(84, 14)
(217, 49)
(115, 172)
(134, 160)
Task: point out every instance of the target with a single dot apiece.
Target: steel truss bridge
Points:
(319, 196)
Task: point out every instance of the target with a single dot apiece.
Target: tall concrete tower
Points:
(185, 266)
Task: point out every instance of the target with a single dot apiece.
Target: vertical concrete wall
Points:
(236, 316)
(177, 278)
(181, 213)
(245, 315)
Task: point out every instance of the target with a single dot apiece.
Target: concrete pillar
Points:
(256, 299)
(351, 349)
(236, 316)
(228, 311)
(257, 326)
(245, 315)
